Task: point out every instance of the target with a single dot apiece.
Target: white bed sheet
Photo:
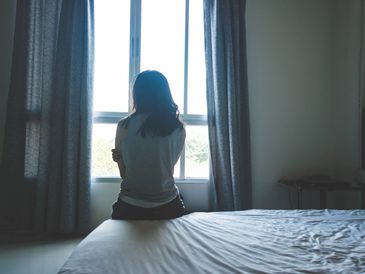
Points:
(253, 241)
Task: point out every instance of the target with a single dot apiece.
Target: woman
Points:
(148, 144)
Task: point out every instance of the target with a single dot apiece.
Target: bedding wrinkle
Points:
(219, 235)
(173, 249)
(195, 236)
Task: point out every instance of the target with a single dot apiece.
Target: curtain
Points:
(227, 98)
(45, 173)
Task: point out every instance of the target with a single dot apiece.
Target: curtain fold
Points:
(49, 117)
(227, 98)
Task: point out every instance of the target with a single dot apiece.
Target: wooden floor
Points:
(42, 257)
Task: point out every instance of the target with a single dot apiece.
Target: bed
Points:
(252, 241)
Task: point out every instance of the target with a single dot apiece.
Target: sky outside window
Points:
(162, 42)
(111, 77)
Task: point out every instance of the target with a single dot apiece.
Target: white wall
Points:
(346, 88)
(289, 44)
(7, 23)
(303, 93)
(346, 111)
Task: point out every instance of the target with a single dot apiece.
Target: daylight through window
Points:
(164, 35)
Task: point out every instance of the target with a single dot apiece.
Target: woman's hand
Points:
(116, 155)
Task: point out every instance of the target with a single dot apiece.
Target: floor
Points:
(42, 257)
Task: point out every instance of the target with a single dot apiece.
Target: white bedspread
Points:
(253, 241)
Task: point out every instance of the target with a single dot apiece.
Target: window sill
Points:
(177, 180)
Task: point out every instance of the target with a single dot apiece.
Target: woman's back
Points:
(149, 162)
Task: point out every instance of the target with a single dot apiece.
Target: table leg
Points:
(322, 199)
(299, 198)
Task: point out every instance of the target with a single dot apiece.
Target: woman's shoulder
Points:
(124, 122)
(132, 119)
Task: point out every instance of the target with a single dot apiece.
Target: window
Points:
(132, 36)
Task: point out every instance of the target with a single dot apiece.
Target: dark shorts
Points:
(171, 210)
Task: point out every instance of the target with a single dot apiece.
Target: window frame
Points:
(112, 117)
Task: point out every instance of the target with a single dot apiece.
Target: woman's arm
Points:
(181, 143)
(117, 151)
(117, 157)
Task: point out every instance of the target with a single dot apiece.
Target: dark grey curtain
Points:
(45, 174)
(227, 97)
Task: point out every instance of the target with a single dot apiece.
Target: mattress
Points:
(252, 241)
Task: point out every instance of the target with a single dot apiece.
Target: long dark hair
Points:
(152, 96)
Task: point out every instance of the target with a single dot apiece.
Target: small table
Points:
(323, 184)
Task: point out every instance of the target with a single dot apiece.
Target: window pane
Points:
(111, 79)
(196, 152)
(103, 143)
(162, 42)
(197, 102)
